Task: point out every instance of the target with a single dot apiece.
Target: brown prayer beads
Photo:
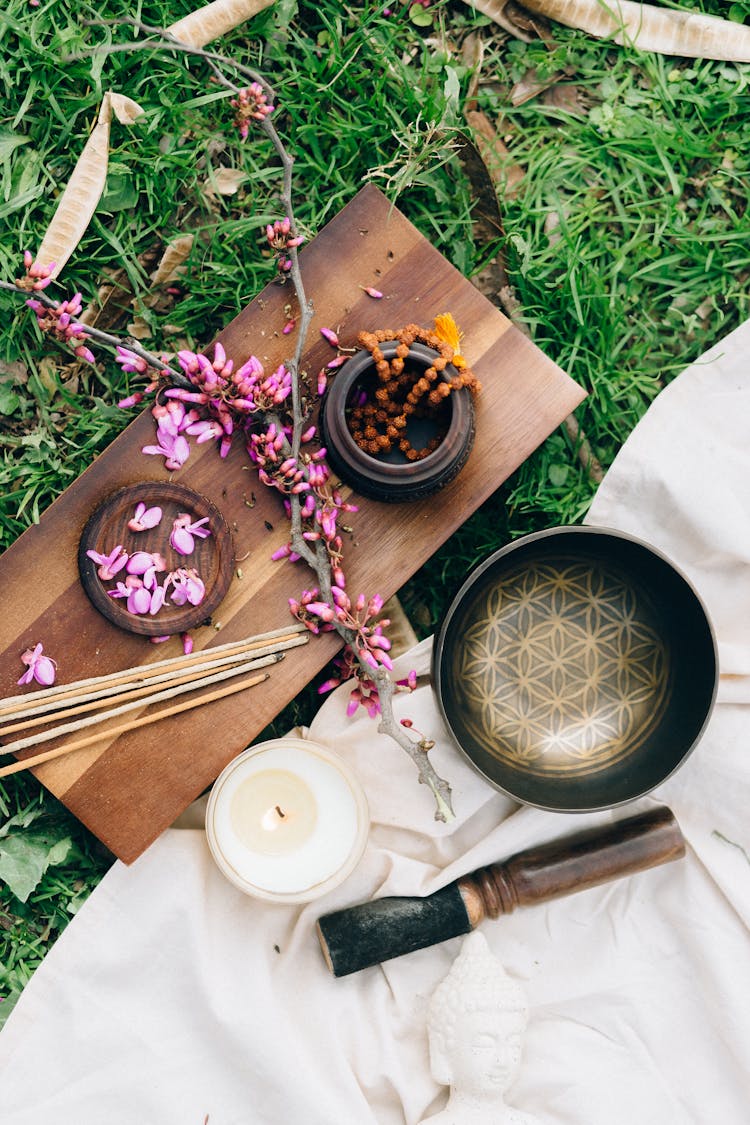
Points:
(379, 423)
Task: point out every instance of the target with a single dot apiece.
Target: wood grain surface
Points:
(129, 789)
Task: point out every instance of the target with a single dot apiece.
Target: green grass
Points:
(626, 243)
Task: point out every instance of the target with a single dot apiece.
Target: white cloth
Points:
(171, 996)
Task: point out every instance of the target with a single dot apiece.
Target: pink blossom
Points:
(39, 667)
(109, 565)
(131, 400)
(59, 320)
(139, 599)
(36, 276)
(187, 586)
(173, 447)
(145, 518)
(408, 684)
(251, 104)
(142, 562)
(130, 361)
(184, 531)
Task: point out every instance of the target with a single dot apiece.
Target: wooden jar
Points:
(391, 477)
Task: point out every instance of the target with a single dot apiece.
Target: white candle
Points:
(287, 820)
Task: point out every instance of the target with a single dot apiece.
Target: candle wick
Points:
(281, 814)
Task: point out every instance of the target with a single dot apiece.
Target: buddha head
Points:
(476, 1020)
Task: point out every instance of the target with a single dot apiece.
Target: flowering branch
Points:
(211, 400)
(50, 312)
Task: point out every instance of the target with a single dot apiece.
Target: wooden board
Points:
(127, 792)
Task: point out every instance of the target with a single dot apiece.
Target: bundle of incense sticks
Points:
(102, 698)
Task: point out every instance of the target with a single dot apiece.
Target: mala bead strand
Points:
(378, 425)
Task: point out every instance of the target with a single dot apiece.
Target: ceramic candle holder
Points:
(287, 821)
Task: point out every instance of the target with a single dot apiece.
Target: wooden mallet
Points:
(376, 931)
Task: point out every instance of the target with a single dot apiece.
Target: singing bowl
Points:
(576, 668)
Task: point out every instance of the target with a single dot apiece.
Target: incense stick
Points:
(158, 697)
(79, 744)
(12, 703)
(37, 714)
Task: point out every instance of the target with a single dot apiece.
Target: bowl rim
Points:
(471, 580)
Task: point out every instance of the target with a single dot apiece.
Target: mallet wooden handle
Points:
(376, 931)
(572, 864)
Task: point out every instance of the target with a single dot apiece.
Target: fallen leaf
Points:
(472, 56)
(214, 20)
(666, 31)
(223, 181)
(503, 170)
(139, 329)
(13, 372)
(115, 295)
(84, 188)
(530, 86)
(47, 374)
(25, 858)
(566, 96)
(172, 263)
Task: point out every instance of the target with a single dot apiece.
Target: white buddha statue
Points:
(476, 1021)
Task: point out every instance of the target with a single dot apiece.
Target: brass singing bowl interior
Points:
(576, 668)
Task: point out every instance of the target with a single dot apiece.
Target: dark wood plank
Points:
(127, 793)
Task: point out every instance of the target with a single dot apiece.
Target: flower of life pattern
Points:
(560, 672)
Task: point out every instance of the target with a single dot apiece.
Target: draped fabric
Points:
(172, 999)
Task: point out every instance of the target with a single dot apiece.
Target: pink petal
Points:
(157, 600)
(149, 517)
(44, 671)
(182, 541)
(140, 562)
(139, 600)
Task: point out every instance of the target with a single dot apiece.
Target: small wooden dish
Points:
(212, 558)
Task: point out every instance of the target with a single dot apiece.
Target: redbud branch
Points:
(168, 40)
(317, 559)
(105, 337)
(386, 689)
